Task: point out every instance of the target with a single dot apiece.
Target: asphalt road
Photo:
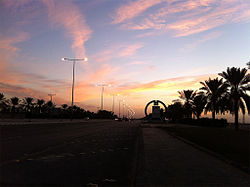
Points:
(91, 152)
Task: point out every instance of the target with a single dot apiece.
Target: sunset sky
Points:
(146, 49)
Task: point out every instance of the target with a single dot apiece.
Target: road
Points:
(91, 152)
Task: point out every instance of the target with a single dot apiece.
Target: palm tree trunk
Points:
(213, 115)
(236, 119)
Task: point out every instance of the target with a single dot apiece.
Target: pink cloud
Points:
(130, 50)
(121, 50)
(8, 43)
(102, 73)
(137, 63)
(133, 9)
(183, 18)
(205, 38)
(66, 15)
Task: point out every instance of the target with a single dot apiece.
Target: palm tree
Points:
(64, 106)
(238, 79)
(175, 111)
(40, 103)
(15, 102)
(199, 102)
(215, 91)
(49, 106)
(188, 96)
(28, 103)
(2, 97)
(2, 102)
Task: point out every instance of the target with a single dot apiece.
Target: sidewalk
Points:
(169, 161)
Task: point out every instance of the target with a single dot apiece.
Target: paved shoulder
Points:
(169, 161)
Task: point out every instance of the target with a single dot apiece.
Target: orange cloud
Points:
(173, 84)
(19, 91)
(66, 15)
(133, 9)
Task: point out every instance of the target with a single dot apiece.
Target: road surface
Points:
(91, 152)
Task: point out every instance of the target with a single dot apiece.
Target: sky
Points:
(146, 49)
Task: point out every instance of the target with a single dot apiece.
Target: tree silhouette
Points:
(238, 79)
(3, 104)
(64, 106)
(14, 102)
(199, 102)
(175, 111)
(188, 96)
(40, 103)
(28, 103)
(216, 90)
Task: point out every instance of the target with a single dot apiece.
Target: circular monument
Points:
(157, 113)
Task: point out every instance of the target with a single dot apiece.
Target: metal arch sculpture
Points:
(155, 103)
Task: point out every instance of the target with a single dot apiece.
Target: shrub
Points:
(205, 122)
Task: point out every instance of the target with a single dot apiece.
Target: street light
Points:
(74, 60)
(113, 102)
(102, 85)
(51, 95)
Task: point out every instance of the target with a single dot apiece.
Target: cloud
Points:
(7, 43)
(121, 50)
(132, 9)
(166, 85)
(137, 63)
(196, 43)
(130, 50)
(21, 92)
(103, 73)
(183, 18)
(67, 15)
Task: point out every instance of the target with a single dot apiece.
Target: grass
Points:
(231, 144)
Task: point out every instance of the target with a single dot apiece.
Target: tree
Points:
(3, 104)
(216, 90)
(175, 111)
(40, 103)
(238, 80)
(248, 65)
(188, 96)
(64, 106)
(49, 107)
(28, 103)
(14, 102)
(199, 102)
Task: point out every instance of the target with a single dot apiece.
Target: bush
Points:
(207, 122)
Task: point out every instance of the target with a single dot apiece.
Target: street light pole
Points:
(119, 109)
(73, 83)
(51, 95)
(73, 73)
(102, 85)
(113, 102)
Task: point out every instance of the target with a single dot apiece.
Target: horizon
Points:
(146, 50)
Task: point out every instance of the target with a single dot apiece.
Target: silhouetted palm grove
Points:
(218, 96)
(31, 108)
